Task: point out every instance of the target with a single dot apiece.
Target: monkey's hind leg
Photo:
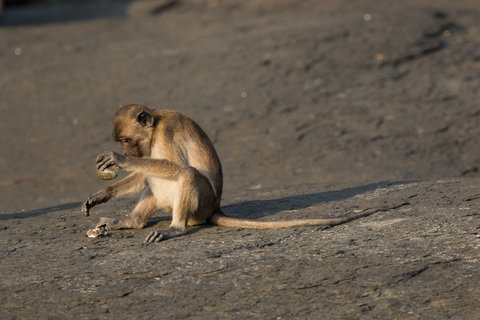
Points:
(185, 205)
(144, 209)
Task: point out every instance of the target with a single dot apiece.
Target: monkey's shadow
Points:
(248, 209)
(262, 208)
(38, 212)
(68, 11)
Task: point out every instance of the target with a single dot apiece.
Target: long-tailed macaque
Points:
(175, 164)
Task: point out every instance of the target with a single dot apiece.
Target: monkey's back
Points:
(190, 146)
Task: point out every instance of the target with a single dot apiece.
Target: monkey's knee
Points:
(188, 194)
(195, 200)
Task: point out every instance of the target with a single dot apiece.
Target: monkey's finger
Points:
(102, 162)
(107, 164)
(150, 237)
(85, 209)
(154, 236)
(103, 155)
(87, 205)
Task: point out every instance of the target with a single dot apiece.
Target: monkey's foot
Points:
(157, 236)
(106, 224)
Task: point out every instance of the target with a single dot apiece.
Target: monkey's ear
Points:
(145, 118)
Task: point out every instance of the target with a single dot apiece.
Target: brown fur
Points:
(174, 162)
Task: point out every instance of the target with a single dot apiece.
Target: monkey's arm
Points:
(148, 167)
(132, 183)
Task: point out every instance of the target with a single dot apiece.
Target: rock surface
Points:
(416, 262)
(310, 105)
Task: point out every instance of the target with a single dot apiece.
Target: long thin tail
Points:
(220, 219)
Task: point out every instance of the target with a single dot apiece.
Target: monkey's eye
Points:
(126, 140)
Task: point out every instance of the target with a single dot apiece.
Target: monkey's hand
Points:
(110, 158)
(94, 199)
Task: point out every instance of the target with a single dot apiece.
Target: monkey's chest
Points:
(175, 154)
(164, 190)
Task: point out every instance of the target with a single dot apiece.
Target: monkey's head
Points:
(133, 127)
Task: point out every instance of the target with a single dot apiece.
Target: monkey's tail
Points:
(220, 219)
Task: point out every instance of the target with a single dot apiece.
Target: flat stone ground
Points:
(316, 108)
(419, 261)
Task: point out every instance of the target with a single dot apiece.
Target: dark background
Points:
(291, 92)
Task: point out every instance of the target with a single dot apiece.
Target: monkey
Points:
(175, 165)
